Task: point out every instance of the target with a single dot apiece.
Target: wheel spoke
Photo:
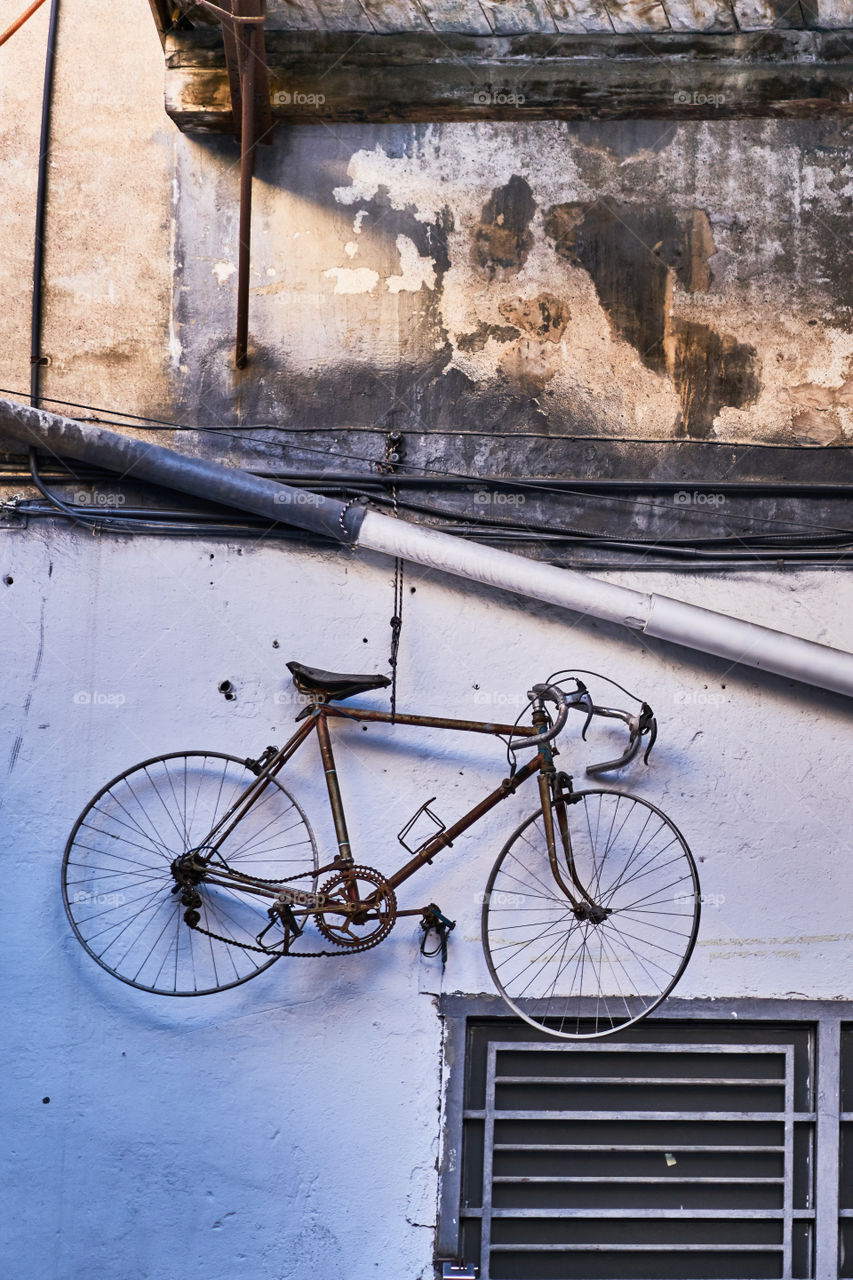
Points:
(118, 876)
(586, 971)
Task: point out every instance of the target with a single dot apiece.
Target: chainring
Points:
(375, 920)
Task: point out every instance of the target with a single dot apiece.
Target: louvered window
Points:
(693, 1149)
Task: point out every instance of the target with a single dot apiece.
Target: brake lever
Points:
(585, 700)
(647, 724)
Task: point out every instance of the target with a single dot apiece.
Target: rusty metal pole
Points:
(245, 55)
(19, 22)
(248, 62)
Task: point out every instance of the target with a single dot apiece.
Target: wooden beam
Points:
(325, 76)
(160, 14)
(580, 15)
(514, 17)
(701, 15)
(637, 15)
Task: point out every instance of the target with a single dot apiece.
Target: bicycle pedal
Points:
(434, 922)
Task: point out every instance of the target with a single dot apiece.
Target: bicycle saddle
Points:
(331, 684)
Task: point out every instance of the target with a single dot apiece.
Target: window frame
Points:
(825, 1016)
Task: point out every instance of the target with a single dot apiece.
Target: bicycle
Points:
(192, 872)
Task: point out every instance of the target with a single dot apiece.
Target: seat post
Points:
(335, 800)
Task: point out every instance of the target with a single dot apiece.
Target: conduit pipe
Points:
(135, 460)
(739, 642)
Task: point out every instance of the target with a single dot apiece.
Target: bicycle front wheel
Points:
(585, 969)
(121, 895)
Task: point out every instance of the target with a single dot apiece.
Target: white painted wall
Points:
(288, 1129)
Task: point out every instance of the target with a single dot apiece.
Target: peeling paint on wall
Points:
(635, 256)
(223, 271)
(415, 271)
(353, 279)
(617, 279)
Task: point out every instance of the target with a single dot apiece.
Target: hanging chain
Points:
(397, 619)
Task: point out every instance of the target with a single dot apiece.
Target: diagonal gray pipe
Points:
(744, 643)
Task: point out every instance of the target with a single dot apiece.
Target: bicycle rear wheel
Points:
(120, 892)
(586, 972)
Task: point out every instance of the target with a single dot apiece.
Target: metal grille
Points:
(845, 1198)
(689, 1154)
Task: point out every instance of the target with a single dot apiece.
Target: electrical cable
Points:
(432, 471)
(166, 425)
(546, 530)
(784, 544)
(98, 523)
(545, 488)
(41, 202)
(208, 524)
(491, 522)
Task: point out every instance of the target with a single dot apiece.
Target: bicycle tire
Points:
(575, 978)
(118, 886)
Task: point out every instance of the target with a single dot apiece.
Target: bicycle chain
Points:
(297, 955)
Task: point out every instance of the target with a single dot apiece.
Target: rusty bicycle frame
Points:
(316, 721)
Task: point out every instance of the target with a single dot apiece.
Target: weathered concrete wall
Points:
(549, 278)
(108, 269)
(650, 280)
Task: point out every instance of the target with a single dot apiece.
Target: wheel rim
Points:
(117, 879)
(581, 978)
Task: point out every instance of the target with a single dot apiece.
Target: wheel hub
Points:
(593, 912)
(189, 869)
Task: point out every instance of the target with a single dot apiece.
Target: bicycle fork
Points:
(554, 801)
